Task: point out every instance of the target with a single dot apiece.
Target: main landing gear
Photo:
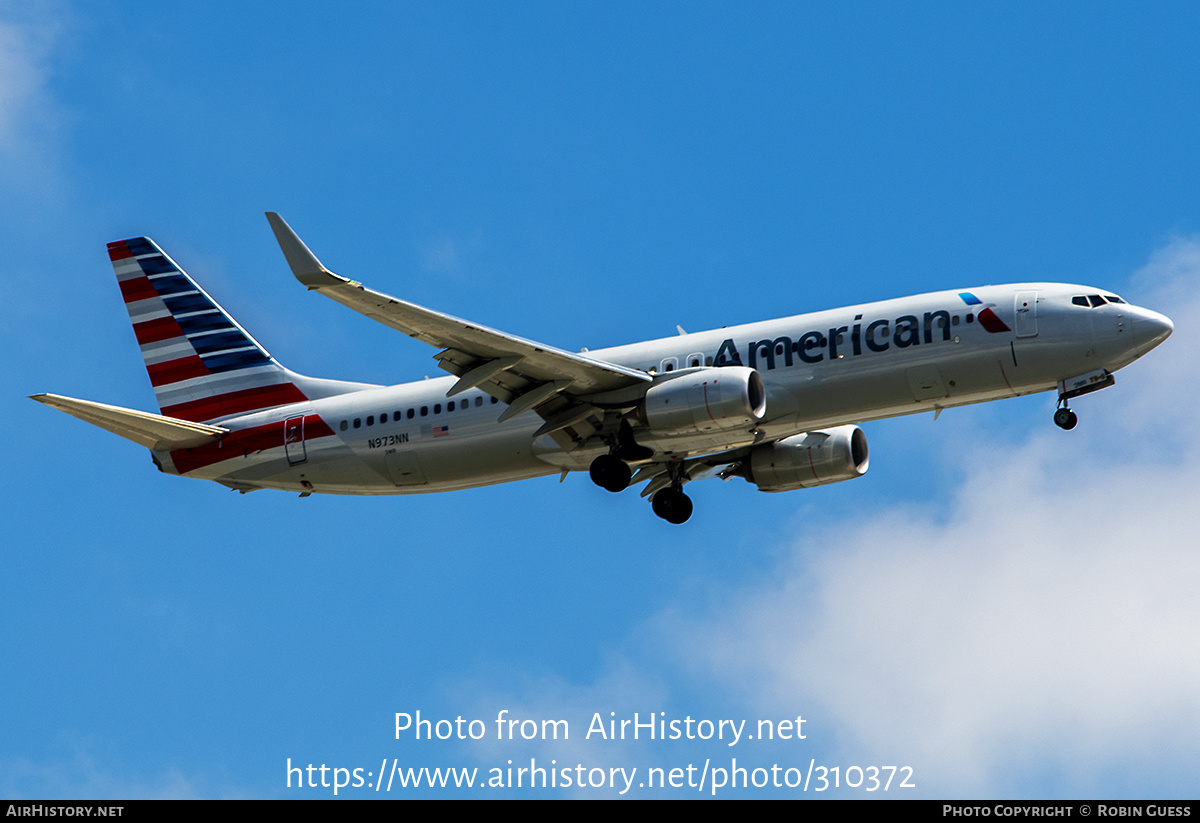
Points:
(610, 472)
(672, 505)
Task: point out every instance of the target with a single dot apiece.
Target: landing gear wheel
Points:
(609, 472)
(1065, 419)
(672, 505)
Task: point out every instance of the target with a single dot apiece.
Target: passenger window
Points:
(450, 406)
(383, 417)
(410, 414)
(437, 408)
(370, 420)
(345, 425)
(479, 400)
(357, 422)
(424, 411)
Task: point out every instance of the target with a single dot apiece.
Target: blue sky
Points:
(1008, 609)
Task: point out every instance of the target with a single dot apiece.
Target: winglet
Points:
(304, 263)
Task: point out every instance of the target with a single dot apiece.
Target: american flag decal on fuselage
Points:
(202, 364)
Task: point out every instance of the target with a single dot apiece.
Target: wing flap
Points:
(154, 431)
(694, 468)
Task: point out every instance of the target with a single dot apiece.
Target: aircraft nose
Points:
(1150, 328)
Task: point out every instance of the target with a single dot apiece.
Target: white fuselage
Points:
(820, 370)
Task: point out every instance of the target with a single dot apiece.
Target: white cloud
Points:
(1053, 616)
(29, 115)
(1037, 633)
(619, 692)
(445, 253)
(81, 777)
(1169, 283)
(1041, 633)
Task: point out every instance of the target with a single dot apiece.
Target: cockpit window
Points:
(1095, 300)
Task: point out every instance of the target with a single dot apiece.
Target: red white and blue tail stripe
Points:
(202, 364)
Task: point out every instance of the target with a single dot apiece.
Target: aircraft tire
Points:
(659, 503)
(1066, 419)
(611, 473)
(672, 505)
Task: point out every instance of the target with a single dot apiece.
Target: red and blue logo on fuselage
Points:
(987, 317)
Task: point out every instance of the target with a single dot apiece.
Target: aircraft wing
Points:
(525, 374)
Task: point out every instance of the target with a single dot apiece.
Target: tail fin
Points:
(202, 364)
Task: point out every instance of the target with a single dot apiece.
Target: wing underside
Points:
(662, 474)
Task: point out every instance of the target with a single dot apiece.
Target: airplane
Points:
(777, 402)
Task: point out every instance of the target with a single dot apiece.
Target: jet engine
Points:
(706, 400)
(810, 459)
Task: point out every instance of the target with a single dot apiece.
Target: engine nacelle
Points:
(706, 400)
(809, 459)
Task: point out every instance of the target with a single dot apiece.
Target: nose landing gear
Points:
(1064, 418)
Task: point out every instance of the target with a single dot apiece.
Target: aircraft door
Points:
(925, 383)
(404, 468)
(1025, 310)
(293, 440)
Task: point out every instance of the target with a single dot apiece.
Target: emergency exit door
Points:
(293, 440)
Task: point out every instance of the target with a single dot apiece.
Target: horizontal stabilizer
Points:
(154, 431)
